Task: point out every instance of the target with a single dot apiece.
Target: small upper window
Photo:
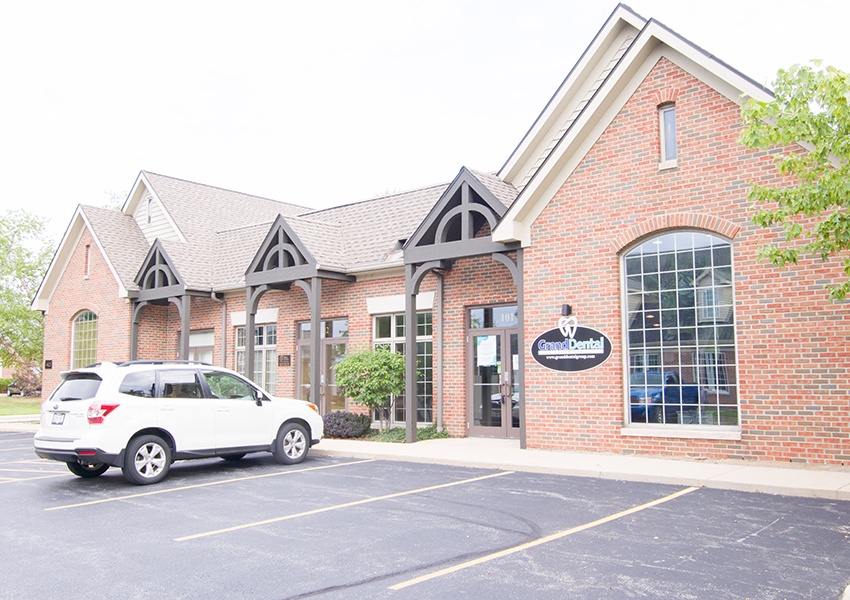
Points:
(150, 209)
(667, 131)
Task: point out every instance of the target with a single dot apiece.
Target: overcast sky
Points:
(320, 103)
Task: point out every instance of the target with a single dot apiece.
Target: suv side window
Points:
(179, 384)
(225, 385)
(141, 383)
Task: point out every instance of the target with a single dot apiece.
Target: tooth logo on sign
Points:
(568, 326)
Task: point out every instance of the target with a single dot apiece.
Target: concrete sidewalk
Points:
(831, 482)
(794, 480)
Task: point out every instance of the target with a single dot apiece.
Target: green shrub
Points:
(344, 424)
(371, 377)
(398, 434)
(4, 384)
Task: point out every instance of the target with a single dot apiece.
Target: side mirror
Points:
(258, 397)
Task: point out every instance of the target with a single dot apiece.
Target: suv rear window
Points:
(77, 386)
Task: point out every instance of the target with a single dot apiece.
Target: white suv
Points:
(143, 415)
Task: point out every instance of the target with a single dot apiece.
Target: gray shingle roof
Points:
(224, 229)
(503, 191)
(372, 228)
(122, 240)
(201, 212)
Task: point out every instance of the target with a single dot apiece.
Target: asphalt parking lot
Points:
(349, 528)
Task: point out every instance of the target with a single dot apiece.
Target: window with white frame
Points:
(667, 135)
(265, 355)
(84, 340)
(389, 332)
(681, 331)
(201, 345)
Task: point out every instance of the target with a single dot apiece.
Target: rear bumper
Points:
(91, 456)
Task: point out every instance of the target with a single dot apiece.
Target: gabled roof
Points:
(157, 278)
(608, 73)
(450, 229)
(369, 231)
(116, 235)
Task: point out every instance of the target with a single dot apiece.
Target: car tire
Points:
(292, 444)
(87, 471)
(234, 457)
(146, 460)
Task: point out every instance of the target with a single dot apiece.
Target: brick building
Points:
(600, 292)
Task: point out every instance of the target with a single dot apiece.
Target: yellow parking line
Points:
(209, 483)
(338, 507)
(21, 479)
(539, 541)
(5, 470)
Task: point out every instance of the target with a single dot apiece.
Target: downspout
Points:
(223, 303)
(439, 350)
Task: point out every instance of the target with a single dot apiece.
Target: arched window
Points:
(84, 340)
(681, 331)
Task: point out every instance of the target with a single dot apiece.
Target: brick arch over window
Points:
(717, 225)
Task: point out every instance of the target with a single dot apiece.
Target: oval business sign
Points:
(585, 349)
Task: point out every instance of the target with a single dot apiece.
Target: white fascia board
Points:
(708, 68)
(570, 90)
(133, 197)
(60, 260)
(62, 257)
(653, 43)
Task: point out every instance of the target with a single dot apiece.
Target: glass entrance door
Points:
(334, 336)
(331, 396)
(494, 389)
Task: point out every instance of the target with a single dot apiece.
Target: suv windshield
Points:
(77, 386)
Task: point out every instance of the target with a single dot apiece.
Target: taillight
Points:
(97, 412)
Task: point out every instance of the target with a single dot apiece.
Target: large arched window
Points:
(84, 340)
(681, 331)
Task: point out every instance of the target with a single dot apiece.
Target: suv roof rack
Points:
(164, 362)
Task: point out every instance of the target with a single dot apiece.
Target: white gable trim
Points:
(62, 257)
(142, 188)
(654, 42)
(580, 81)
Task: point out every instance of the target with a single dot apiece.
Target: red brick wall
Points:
(75, 293)
(792, 347)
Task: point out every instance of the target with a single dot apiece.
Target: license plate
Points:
(58, 418)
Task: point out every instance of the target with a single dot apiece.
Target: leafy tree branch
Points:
(811, 107)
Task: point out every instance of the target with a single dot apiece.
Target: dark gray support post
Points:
(135, 311)
(250, 317)
(185, 306)
(465, 220)
(520, 296)
(516, 272)
(316, 343)
(410, 353)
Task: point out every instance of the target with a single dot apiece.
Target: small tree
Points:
(371, 378)
(812, 107)
(26, 252)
